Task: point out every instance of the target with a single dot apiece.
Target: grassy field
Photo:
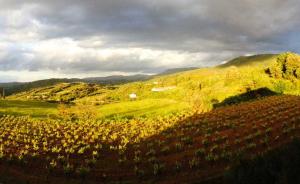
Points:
(34, 109)
(128, 109)
(141, 108)
(98, 135)
(200, 88)
(191, 148)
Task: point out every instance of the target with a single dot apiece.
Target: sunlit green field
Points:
(141, 108)
(128, 109)
(27, 108)
(197, 89)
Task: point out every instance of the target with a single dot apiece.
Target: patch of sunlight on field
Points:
(141, 108)
(27, 108)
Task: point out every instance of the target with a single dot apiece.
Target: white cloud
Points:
(80, 38)
(66, 57)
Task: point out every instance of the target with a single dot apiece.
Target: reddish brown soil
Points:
(259, 126)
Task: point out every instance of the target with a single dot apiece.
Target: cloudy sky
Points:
(83, 38)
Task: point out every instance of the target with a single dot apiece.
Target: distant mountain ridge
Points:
(16, 87)
(176, 70)
(204, 87)
(257, 70)
(117, 79)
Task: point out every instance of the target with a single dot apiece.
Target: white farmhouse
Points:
(133, 96)
(163, 89)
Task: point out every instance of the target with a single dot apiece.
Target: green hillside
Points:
(250, 60)
(17, 87)
(199, 89)
(34, 109)
(62, 92)
(212, 85)
(88, 133)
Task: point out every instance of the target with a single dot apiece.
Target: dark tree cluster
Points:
(286, 67)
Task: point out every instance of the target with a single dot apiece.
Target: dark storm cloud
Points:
(219, 28)
(165, 23)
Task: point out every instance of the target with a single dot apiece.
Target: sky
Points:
(42, 39)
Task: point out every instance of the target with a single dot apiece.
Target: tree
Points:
(287, 66)
(2, 92)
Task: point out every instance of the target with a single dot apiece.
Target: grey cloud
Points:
(222, 28)
(174, 24)
(18, 59)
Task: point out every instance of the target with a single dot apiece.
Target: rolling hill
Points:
(201, 89)
(224, 124)
(207, 86)
(249, 60)
(17, 87)
(199, 148)
(117, 79)
(62, 92)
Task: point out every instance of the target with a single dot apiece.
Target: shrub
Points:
(200, 152)
(158, 168)
(139, 172)
(194, 163)
(83, 171)
(187, 140)
(165, 149)
(77, 112)
(68, 169)
(178, 166)
(231, 75)
(280, 87)
(297, 73)
(277, 166)
(151, 152)
(152, 160)
(178, 146)
(287, 67)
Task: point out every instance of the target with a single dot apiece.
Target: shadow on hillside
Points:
(244, 97)
(278, 166)
(281, 165)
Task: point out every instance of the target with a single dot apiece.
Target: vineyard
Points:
(180, 148)
(203, 88)
(149, 92)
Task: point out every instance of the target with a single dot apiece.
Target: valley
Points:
(193, 126)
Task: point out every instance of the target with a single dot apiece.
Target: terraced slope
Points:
(63, 92)
(203, 88)
(205, 146)
(241, 79)
(175, 149)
